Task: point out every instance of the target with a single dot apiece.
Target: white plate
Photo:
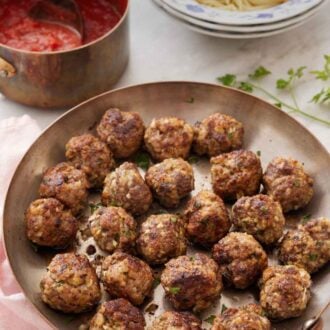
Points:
(254, 28)
(239, 35)
(281, 12)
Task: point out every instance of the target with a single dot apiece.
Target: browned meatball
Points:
(216, 134)
(285, 291)
(125, 187)
(241, 259)
(287, 182)
(48, 223)
(192, 282)
(118, 314)
(113, 229)
(307, 247)
(126, 277)
(90, 155)
(260, 216)
(171, 320)
(168, 137)
(71, 284)
(248, 317)
(67, 184)
(170, 181)
(207, 218)
(236, 174)
(162, 237)
(122, 131)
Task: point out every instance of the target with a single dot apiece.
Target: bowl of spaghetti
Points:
(242, 12)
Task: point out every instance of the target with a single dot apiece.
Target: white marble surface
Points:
(162, 49)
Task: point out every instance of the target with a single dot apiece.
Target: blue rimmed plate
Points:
(281, 12)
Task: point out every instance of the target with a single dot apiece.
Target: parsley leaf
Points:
(322, 97)
(193, 159)
(245, 86)
(282, 84)
(223, 308)
(292, 75)
(142, 160)
(228, 79)
(259, 72)
(258, 153)
(174, 290)
(325, 73)
(279, 105)
(210, 319)
(306, 218)
(94, 207)
(313, 257)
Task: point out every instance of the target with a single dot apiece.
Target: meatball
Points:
(48, 223)
(122, 131)
(236, 174)
(125, 276)
(90, 155)
(241, 259)
(217, 134)
(285, 291)
(207, 218)
(260, 216)
(287, 182)
(117, 314)
(162, 237)
(67, 184)
(168, 137)
(125, 187)
(171, 320)
(170, 181)
(246, 317)
(192, 282)
(113, 229)
(307, 247)
(71, 284)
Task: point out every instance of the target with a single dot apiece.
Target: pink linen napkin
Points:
(16, 135)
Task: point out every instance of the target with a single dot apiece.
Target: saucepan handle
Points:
(7, 70)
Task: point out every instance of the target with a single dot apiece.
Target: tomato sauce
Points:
(19, 31)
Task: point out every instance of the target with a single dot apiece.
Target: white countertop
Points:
(162, 49)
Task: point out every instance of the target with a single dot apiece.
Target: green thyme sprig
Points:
(288, 84)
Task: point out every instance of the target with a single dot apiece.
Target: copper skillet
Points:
(268, 129)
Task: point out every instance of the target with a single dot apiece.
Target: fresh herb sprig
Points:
(286, 84)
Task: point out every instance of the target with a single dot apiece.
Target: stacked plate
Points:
(241, 24)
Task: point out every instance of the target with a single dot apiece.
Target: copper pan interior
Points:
(268, 129)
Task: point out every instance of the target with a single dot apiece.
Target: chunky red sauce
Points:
(17, 30)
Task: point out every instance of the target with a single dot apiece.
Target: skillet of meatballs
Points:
(197, 251)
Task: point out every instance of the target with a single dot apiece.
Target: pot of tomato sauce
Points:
(48, 65)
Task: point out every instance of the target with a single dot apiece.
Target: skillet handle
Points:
(7, 70)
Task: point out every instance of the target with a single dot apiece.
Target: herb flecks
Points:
(306, 218)
(174, 290)
(193, 159)
(210, 319)
(142, 160)
(190, 100)
(223, 308)
(93, 207)
(313, 257)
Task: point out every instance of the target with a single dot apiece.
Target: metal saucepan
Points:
(65, 78)
(267, 129)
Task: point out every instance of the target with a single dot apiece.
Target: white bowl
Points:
(243, 28)
(288, 9)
